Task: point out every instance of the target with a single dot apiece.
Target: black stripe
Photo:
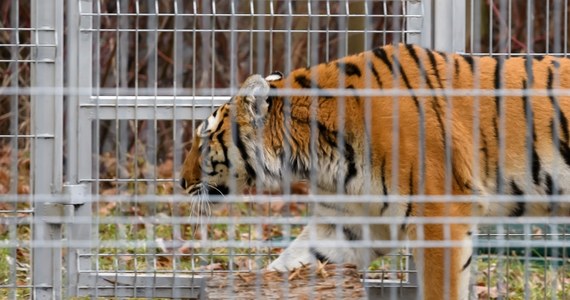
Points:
(381, 54)
(528, 114)
(563, 121)
(409, 86)
(318, 255)
(469, 59)
(328, 135)
(411, 192)
(349, 69)
(349, 156)
(485, 150)
(519, 210)
(467, 263)
(384, 187)
(383, 176)
(498, 83)
(550, 187)
(375, 73)
(220, 138)
(349, 234)
(433, 63)
(421, 113)
(236, 137)
(444, 55)
(538, 57)
(304, 82)
(515, 190)
(456, 63)
(434, 103)
(225, 162)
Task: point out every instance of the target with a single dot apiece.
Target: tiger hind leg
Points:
(444, 272)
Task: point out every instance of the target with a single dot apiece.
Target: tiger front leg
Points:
(306, 249)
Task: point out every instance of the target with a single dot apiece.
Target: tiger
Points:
(361, 125)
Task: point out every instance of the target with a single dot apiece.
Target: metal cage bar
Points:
(47, 144)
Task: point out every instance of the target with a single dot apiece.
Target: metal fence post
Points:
(47, 129)
(79, 136)
(449, 24)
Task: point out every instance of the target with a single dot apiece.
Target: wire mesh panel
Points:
(158, 167)
(159, 68)
(30, 139)
(509, 264)
(16, 139)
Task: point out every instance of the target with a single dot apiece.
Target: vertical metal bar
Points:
(177, 232)
(14, 131)
(46, 118)
(72, 109)
(89, 129)
(151, 141)
(529, 144)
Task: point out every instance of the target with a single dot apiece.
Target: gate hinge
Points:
(63, 211)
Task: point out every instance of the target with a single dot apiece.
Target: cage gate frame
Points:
(82, 106)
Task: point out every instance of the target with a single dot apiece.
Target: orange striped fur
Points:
(523, 147)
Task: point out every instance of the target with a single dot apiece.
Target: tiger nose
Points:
(183, 183)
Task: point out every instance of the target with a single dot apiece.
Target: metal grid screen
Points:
(96, 120)
(159, 69)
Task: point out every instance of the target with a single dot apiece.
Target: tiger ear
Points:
(254, 93)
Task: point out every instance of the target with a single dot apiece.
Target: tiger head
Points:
(226, 152)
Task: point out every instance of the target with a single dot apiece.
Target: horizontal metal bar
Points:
(250, 15)
(146, 113)
(151, 107)
(358, 220)
(179, 101)
(18, 211)
(127, 180)
(25, 61)
(27, 45)
(360, 244)
(333, 198)
(516, 54)
(139, 30)
(112, 94)
(174, 285)
(12, 136)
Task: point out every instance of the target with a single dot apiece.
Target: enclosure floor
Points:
(320, 282)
